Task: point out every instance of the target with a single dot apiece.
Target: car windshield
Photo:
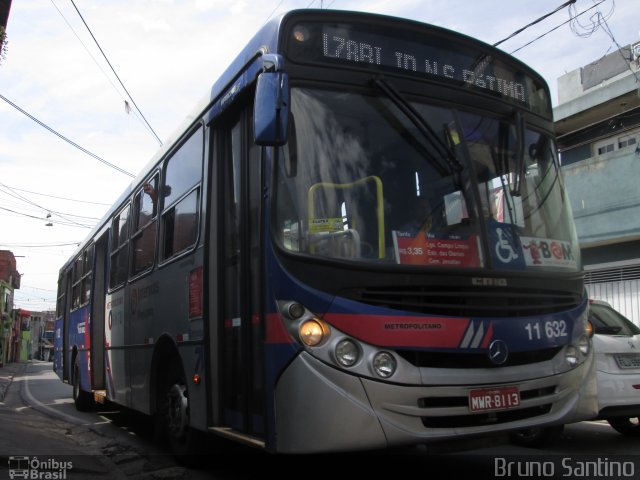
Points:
(607, 321)
(360, 180)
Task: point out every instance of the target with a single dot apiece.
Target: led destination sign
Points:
(435, 56)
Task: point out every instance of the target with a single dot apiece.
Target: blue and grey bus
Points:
(361, 239)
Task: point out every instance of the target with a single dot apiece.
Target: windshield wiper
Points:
(451, 163)
(519, 170)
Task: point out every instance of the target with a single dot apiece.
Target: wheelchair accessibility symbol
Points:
(504, 250)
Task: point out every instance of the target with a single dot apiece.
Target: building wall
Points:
(598, 126)
(617, 283)
(605, 196)
(6, 322)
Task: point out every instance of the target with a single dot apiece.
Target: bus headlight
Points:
(571, 356)
(347, 353)
(584, 345)
(384, 364)
(311, 332)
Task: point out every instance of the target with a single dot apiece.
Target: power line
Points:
(555, 28)
(39, 245)
(272, 12)
(37, 288)
(84, 150)
(520, 30)
(97, 64)
(114, 72)
(24, 199)
(69, 224)
(605, 27)
(59, 198)
(585, 31)
(40, 207)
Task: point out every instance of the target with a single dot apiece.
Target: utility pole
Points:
(5, 6)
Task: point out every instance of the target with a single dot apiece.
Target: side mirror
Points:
(271, 109)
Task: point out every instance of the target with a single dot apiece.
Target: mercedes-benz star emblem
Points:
(498, 352)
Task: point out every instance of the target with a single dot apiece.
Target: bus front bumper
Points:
(320, 408)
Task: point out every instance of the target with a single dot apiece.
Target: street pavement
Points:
(33, 436)
(7, 372)
(31, 441)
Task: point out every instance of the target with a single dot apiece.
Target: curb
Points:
(4, 386)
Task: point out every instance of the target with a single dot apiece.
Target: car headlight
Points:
(589, 330)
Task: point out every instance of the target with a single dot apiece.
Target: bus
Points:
(360, 239)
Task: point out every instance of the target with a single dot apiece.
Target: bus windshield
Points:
(360, 181)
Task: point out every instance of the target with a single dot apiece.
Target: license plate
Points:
(629, 360)
(498, 398)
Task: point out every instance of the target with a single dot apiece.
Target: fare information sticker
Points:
(436, 251)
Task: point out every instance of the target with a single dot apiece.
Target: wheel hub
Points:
(178, 411)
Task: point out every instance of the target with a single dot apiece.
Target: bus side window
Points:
(77, 278)
(87, 269)
(180, 191)
(143, 238)
(119, 248)
(60, 304)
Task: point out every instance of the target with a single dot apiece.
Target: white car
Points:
(617, 347)
(616, 344)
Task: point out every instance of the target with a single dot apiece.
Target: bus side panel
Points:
(80, 339)
(116, 362)
(142, 316)
(97, 317)
(193, 360)
(159, 306)
(58, 347)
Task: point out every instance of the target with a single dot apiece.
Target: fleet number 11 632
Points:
(550, 329)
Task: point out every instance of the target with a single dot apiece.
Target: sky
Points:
(168, 53)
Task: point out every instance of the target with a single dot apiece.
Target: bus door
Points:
(240, 314)
(66, 318)
(60, 341)
(98, 312)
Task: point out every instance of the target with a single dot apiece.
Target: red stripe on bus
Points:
(275, 330)
(488, 336)
(393, 331)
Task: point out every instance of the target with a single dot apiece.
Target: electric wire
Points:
(116, 75)
(135, 113)
(586, 30)
(26, 200)
(520, 30)
(59, 198)
(38, 245)
(59, 135)
(272, 12)
(571, 19)
(68, 224)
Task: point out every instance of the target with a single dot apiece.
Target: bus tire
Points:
(173, 415)
(82, 400)
(629, 426)
(537, 437)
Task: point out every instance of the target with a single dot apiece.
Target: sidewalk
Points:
(7, 373)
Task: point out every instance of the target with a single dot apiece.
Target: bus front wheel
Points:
(626, 425)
